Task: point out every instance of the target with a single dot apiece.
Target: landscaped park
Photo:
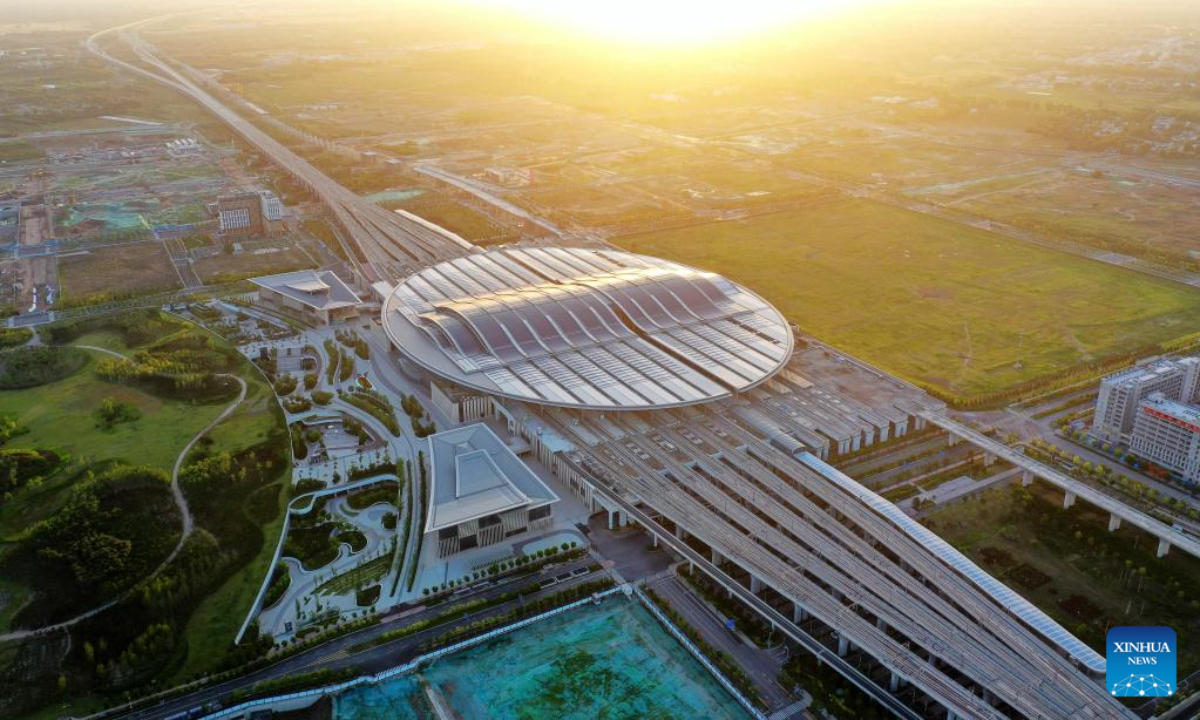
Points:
(99, 422)
(964, 312)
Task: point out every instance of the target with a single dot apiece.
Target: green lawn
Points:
(59, 417)
(936, 302)
(215, 623)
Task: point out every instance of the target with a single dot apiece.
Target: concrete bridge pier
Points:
(755, 584)
(798, 613)
(989, 459)
(951, 439)
(1068, 500)
(655, 539)
(717, 558)
(1114, 522)
(843, 646)
(1026, 478)
(680, 533)
(893, 682)
(1163, 547)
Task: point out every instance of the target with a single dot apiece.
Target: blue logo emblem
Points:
(1141, 661)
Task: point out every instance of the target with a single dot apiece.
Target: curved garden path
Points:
(180, 502)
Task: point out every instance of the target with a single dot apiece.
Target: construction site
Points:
(138, 208)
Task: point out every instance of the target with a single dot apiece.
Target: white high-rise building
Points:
(1121, 393)
(1167, 433)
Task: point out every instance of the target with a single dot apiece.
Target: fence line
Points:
(695, 651)
(415, 663)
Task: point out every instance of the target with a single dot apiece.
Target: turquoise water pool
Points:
(611, 661)
(394, 195)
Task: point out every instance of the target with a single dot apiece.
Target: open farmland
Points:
(963, 310)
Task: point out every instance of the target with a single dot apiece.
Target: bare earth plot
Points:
(116, 272)
(958, 308)
(219, 268)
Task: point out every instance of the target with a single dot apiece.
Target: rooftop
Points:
(585, 328)
(473, 474)
(320, 289)
(1151, 370)
(1182, 412)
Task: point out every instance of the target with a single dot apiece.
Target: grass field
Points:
(219, 616)
(950, 306)
(113, 272)
(18, 151)
(59, 416)
(225, 268)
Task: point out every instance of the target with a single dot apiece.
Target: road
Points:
(1074, 487)
(762, 666)
(392, 245)
(180, 502)
(1022, 424)
(482, 192)
(336, 654)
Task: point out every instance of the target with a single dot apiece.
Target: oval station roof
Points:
(585, 328)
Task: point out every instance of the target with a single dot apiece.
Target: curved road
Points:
(392, 244)
(180, 502)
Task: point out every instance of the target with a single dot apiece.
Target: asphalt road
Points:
(761, 665)
(336, 654)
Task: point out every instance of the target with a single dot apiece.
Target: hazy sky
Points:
(677, 20)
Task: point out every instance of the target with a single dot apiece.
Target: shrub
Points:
(38, 365)
(113, 412)
(14, 337)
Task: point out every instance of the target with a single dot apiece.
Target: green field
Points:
(244, 518)
(217, 619)
(1068, 564)
(949, 306)
(59, 416)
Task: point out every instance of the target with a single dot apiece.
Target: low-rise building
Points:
(480, 492)
(316, 297)
(1167, 433)
(249, 214)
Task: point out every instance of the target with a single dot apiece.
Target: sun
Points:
(680, 22)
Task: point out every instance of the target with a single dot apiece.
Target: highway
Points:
(1168, 536)
(391, 245)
